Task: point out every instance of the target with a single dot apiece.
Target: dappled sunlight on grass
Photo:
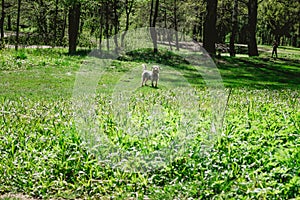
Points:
(260, 72)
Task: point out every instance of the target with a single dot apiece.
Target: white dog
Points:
(150, 75)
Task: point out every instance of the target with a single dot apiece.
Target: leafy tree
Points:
(234, 27)
(172, 17)
(194, 19)
(2, 19)
(252, 24)
(211, 21)
(18, 24)
(278, 19)
(74, 21)
(210, 35)
(175, 15)
(153, 18)
(224, 18)
(128, 4)
(242, 17)
(55, 20)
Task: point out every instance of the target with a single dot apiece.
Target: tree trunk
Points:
(2, 20)
(116, 25)
(152, 27)
(62, 35)
(176, 25)
(165, 15)
(55, 23)
(74, 21)
(9, 28)
(151, 13)
(210, 35)
(101, 28)
(201, 27)
(234, 29)
(43, 23)
(155, 13)
(252, 23)
(18, 25)
(128, 9)
(298, 36)
(195, 32)
(107, 24)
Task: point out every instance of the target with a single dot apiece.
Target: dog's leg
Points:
(144, 82)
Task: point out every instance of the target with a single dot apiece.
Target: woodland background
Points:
(86, 23)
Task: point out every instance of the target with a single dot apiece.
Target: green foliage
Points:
(224, 19)
(279, 18)
(20, 55)
(45, 22)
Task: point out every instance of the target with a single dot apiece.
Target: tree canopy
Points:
(86, 23)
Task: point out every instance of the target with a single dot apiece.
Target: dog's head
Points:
(155, 69)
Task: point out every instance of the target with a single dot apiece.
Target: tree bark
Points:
(151, 13)
(101, 28)
(74, 21)
(210, 35)
(116, 25)
(107, 24)
(2, 20)
(43, 23)
(55, 23)
(62, 35)
(18, 25)
(152, 27)
(234, 29)
(128, 10)
(9, 28)
(252, 23)
(298, 36)
(176, 25)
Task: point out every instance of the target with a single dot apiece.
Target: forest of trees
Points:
(86, 23)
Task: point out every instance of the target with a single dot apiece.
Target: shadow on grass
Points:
(260, 72)
(237, 72)
(80, 52)
(163, 57)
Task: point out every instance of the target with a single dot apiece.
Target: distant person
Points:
(275, 46)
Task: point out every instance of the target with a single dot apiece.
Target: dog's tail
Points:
(144, 67)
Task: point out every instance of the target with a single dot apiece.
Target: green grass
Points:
(41, 73)
(43, 154)
(260, 73)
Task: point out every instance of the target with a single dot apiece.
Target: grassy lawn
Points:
(43, 153)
